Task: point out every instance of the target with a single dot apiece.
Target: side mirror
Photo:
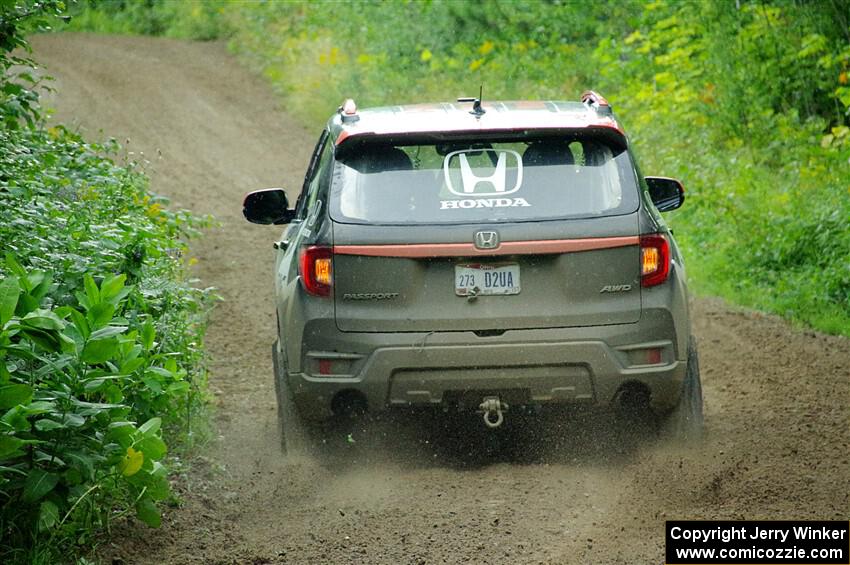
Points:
(268, 206)
(666, 193)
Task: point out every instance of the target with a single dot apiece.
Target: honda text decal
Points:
(483, 178)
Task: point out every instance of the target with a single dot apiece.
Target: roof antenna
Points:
(477, 110)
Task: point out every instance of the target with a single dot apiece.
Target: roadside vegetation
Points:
(101, 363)
(746, 101)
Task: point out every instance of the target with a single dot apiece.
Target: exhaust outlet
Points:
(634, 398)
(349, 403)
(633, 405)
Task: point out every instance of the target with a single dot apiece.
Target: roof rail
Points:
(348, 111)
(596, 101)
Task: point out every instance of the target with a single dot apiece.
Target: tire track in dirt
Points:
(778, 423)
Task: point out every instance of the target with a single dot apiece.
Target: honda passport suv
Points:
(489, 257)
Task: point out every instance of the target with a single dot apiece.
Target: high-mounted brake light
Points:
(654, 259)
(316, 269)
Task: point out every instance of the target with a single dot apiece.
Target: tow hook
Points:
(493, 409)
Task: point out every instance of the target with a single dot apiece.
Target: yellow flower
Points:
(426, 55)
(332, 57)
(131, 463)
(486, 47)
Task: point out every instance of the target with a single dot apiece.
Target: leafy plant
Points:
(18, 100)
(100, 331)
(70, 443)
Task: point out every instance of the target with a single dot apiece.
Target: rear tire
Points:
(685, 423)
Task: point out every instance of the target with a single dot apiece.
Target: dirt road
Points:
(777, 402)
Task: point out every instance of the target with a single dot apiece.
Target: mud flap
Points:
(685, 423)
(293, 440)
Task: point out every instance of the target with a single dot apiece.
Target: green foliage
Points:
(18, 101)
(193, 19)
(379, 52)
(71, 380)
(100, 332)
(762, 146)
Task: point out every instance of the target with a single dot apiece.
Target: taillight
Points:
(654, 259)
(316, 266)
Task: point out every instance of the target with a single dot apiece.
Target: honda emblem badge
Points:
(486, 239)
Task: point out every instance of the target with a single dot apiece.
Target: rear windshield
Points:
(460, 182)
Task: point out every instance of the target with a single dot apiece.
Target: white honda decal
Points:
(483, 203)
(493, 184)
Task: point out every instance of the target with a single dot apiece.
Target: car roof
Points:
(457, 117)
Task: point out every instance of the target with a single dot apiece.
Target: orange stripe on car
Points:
(533, 247)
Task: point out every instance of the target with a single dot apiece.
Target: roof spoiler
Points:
(347, 142)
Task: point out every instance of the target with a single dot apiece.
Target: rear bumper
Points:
(525, 367)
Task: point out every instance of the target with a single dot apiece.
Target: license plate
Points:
(486, 279)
